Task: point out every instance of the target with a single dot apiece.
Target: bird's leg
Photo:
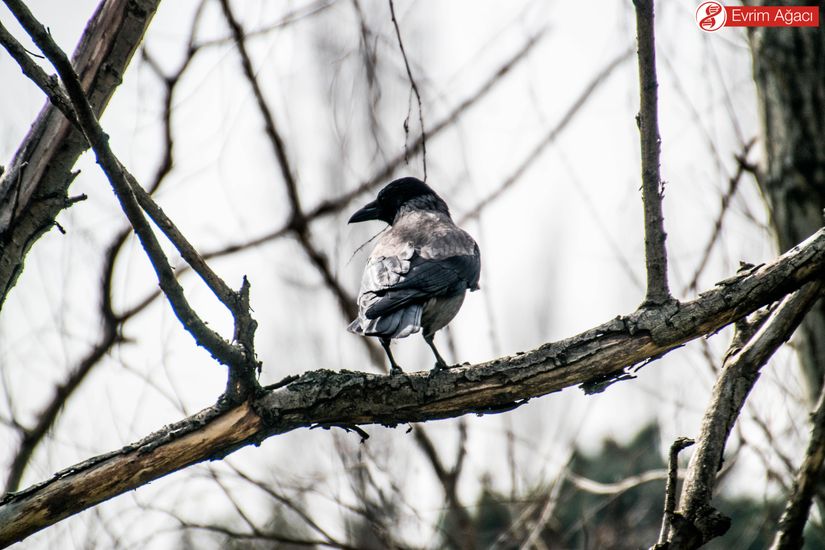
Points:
(440, 363)
(394, 368)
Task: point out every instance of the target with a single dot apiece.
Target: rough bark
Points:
(788, 64)
(593, 359)
(658, 291)
(795, 517)
(34, 187)
(697, 521)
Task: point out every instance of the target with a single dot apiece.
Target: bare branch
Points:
(670, 488)
(652, 187)
(112, 323)
(335, 205)
(294, 16)
(268, 536)
(298, 221)
(353, 398)
(697, 520)
(269, 120)
(332, 206)
(132, 198)
(413, 90)
(32, 70)
(45, 420)
(733, 186)
(449, 483)
(549, 138)
(598, 488)
(33, 189)
(805, 486)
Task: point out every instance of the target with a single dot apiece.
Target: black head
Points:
(411, 192)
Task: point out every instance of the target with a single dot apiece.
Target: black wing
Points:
(427, 278)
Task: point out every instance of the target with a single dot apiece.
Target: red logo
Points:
(711, 16)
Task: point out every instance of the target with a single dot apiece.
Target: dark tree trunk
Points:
(789, 70)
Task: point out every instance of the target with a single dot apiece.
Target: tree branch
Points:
(652, 188)
(725, 202)
(670, 487)
(355, 398)
(132, 197)
(33, 189)
(298, 224)
(808, 478)
(112, 323)
(550, 137)
(697, 520)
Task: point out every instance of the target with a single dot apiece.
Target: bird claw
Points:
(441, 366)
(395, 369)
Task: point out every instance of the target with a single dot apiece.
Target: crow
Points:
(419, 270)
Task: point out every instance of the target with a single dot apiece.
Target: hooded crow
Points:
(419, 270)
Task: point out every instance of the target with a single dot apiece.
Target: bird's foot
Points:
(395, 369)
(439, 366)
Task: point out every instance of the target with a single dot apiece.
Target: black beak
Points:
(370, 212)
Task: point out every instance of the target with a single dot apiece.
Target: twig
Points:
(272, 132)
(805, 485)
(32, 70)
(670, 487)
(294, 16)
(598, 488)
(733, 186)
(449, 483)
(298, 221)
(658, 292)
(549, 138)
(413, 90)
(285, 501)
(334, 206)
(32, 436)
(268, 536)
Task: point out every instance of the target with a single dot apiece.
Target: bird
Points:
(419, 271)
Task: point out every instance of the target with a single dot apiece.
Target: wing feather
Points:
(405, 270)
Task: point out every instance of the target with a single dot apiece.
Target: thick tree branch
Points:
(697, 520)
(325, 398)
(33, 189)
(112, 323)
(132, 197)
(652, 188)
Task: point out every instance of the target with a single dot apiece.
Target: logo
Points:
(711, 16)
